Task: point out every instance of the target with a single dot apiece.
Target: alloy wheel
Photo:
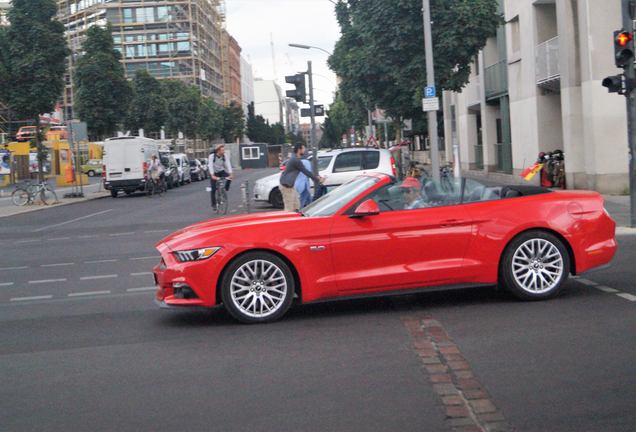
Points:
(258, 288)
(537, 266)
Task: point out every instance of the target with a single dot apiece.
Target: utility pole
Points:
(629, 7)
(430, 80)
(312, 144)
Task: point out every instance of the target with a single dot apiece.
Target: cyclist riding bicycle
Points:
(220, 167)
(157, 171)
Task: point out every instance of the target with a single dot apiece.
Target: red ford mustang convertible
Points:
(376, 236)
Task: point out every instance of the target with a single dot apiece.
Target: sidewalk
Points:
(91, 192)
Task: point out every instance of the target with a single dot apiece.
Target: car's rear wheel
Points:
(276, 198)
(258, 287)
(91, 173)
(535, 266)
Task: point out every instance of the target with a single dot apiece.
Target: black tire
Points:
(537, 265)
(276, 198)
(230, 304)
(113, 193)
(91, 173)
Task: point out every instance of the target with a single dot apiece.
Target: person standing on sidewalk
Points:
(294, 167)
(220, 167)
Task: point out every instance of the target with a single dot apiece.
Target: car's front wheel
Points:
(535, 266)
(91, 173)
(258, 287)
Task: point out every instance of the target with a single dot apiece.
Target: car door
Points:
(400, 249)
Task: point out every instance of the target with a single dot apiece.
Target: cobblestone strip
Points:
(468, 406)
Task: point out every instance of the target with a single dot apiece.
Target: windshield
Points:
(329, 204)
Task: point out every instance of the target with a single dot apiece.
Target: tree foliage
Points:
(210, 125)
(102, 93)
(233, 122)
(183, 107)
(380, 55)
(148, 107)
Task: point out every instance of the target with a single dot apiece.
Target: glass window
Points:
(349, 161)
(371, 160)
(329, 204)
(323, 162)
(129, 15)
(162, 13)
(183, 46)
(251, 153)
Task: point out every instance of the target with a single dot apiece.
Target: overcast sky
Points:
(308, 22)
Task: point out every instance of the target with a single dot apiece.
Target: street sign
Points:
(319, 111)
(430, 104)
(430, 92)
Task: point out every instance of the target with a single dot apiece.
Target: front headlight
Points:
(195, 254)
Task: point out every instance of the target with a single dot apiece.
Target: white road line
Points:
(141, 289)
(101, 261)
(5, 284)
(606, 289)
(57, 265)
(88, 236)
(121, 234)
(156, 231)
(14, 268)
(72, 220)
(626, 296)
(27, 241)
(88, 293)
(43, 281)
(145, 258)
(43, 297)
(58, 238)
(587, 282)
(141, 274)
(109, 276)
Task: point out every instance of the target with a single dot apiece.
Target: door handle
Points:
(452, 222)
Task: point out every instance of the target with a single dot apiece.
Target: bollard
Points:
(245, 188)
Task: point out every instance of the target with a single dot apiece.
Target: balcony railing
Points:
(548, 72)
(479, 157)
(496, 79)
(472, 93)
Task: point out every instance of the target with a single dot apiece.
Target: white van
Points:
(126, 163)
(183, 163)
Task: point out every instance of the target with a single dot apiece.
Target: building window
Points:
(129, 16)
(251, 153)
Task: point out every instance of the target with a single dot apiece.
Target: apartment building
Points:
(231, 69)
(247, 84)
(535, 87)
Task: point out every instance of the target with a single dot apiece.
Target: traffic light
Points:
(614, 84)
(298, 80)
(623, 48)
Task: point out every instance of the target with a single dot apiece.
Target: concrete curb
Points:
(12, 210)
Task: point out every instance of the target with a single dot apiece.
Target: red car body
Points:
(341, 256)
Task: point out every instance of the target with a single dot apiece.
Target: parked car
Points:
(369, 238)
(196, 170)
(92, 168)
(25, 133)
(206, 168)
(337, 166)
(126, 161)
(172, 172)
(183, 165)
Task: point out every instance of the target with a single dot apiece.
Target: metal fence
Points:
(547, 55)
(496, 79)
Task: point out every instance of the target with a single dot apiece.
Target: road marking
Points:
(88, 293)
(587, 282)
(57, 265)
(14, 268)
(43, 297)
(626, 296)
(72, 220)
(3, 284)
(101, 261)
(141, 274)
(88, 236)
(109, 276)
(145, 258)
(121, 234)
(58, 238)
(607, 289)
(43, 281)
(142, 289)
(156, 231)
(27, 241)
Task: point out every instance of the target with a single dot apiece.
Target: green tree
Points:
(148, 107)
(233, 122)
(210, 125)
(384, 65)
(277, 134)
(330, 136)
(183, 106)
(258, 130)
(101, 89)
(5, 66)
(37, 57)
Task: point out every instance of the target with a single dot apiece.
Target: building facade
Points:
(231, 69)
(269, 101)
(292, 118)
(536, 87)
(169, 39)
(4, 7)
(247, 84)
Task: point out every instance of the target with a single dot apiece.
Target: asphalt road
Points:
(84, 348)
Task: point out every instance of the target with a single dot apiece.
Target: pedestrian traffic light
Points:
(298, 80)
(614, 84)
(623, 48)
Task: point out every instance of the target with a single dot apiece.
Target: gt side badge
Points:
(317, 248)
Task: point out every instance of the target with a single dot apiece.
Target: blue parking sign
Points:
(430, 92)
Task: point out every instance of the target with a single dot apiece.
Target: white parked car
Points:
(337, 166)
(183, 165)
(126, 161)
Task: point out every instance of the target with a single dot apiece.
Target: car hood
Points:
(191, 236)
(270, 178)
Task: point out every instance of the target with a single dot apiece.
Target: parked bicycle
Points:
(27, 193)
(221, 197)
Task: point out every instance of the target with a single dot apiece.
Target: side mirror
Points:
(367, 208)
